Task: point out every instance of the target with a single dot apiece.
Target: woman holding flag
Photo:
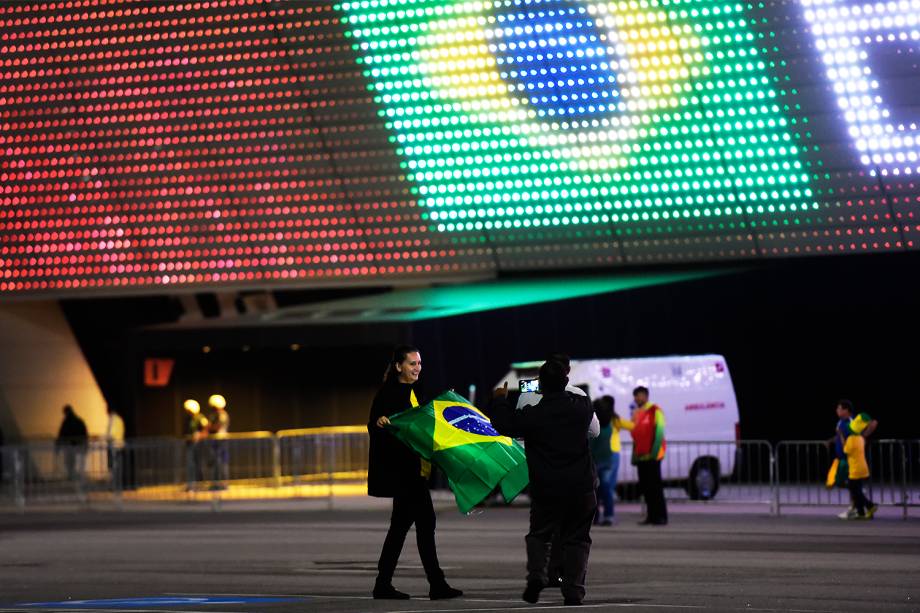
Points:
(394, 471)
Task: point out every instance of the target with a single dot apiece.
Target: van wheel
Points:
(704, 479)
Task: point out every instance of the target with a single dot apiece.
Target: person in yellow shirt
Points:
(616, 446)
(197, 433)
(218, 428)
(854, 446)
(605, 449)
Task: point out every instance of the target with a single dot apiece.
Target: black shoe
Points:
(571, 602)
(444, 592)
(388, 592)
(659, 522)
(532, 592)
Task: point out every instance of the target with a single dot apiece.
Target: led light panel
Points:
(253, 143)
(843, 33)
(157, 145)
(553, 112)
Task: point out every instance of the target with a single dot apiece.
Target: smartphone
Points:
(529, 385)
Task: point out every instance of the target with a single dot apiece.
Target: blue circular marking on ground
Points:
(468, 420)
(552, 53)
(156, 601)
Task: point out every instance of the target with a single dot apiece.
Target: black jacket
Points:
(558, 458)
(392, 467)
(72, 432)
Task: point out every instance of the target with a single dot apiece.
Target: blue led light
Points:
(573, 73)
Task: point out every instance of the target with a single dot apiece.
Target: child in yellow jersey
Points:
(854, 446)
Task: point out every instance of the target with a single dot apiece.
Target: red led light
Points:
(196, 143)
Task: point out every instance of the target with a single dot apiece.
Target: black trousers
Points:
(411, 506)
(572, 517)
(554, 569)
(860, 501)
(652, 490)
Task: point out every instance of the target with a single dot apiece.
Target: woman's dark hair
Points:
(603, 408)
(399, 355)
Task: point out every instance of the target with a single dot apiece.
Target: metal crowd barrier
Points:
(735, 472)
(315, 462)
(894, 468)
(52, 473)
(329, 462)
(338, 452)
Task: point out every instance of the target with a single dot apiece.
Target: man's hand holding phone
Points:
(529, 385)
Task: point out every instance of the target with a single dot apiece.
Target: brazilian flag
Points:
(457, 437)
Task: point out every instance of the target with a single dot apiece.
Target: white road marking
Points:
(611, 605)
(545, 607)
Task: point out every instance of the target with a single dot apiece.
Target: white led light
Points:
(844, 31)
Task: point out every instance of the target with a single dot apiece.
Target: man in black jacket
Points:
(73, 440)
(562, 478)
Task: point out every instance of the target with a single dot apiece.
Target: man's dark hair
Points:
(68, 410)
(553, 377)
(562, 359)
(641, 388)
(846, 404)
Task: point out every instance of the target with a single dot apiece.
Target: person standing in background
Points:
(648, 452)
(196, 431)
(601, 453)
(73, 441)
(616, 446)
(605, 450)
(115, 447)
(394, 471)
(218, 428)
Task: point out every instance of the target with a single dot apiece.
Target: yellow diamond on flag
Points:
(460, 423)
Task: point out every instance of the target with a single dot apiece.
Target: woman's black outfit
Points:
(394, 471)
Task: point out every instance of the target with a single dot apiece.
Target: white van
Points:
(698, 400)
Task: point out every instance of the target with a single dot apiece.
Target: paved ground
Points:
(320, 560)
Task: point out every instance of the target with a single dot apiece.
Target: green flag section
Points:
(458, 438)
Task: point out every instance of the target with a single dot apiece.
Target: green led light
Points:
(693, 122)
